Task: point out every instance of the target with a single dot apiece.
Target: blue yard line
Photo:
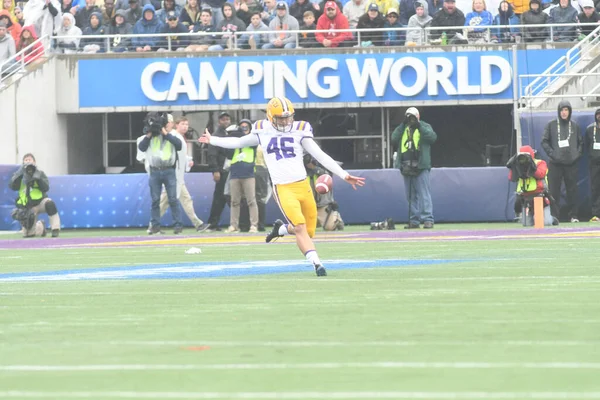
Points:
(206, 270)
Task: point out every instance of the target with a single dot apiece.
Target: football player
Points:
(283, 141)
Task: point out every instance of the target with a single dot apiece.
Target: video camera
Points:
(388, 224)
(30, 169)
(522, 165)
(155, 122)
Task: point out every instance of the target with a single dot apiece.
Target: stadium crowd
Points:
(266, 24)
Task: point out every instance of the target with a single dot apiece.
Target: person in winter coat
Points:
(449, 16)
(592, 143)
(28, 37)
(417, 24)
(282, 23)
(147, 25)
(203, 42)
(589, 15)
(563, 145)
(332, 20)
(72, 35)
(43, 15)
(228, 25)
(118, 27)
(82, 18)
(134, 13)
(170, 7)
(12, 26)
(254, 39)
(408, 9)
(393, 37)
(479, 17)
(353, 10)
(108, 10)
(246, 8)
(505, 16)
(299, 7)
(565, 13)
(7, 50)
(535, 16)
(307, 38)
(95, 28)
(372, 19)
(190, 14)
(384, 5)
(174, 28)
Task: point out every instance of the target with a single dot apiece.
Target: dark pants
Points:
(219, 200)
(557, 173)
(595, 182)
(158, 178)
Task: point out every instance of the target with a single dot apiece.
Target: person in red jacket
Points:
(28, 37)
(332, 20)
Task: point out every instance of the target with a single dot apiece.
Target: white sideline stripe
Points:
(280, 366)
(306, 395)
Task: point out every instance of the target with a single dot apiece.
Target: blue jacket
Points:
(99, 30)
(144, 26)
(475, 19)
(394, 38)
(505, 35)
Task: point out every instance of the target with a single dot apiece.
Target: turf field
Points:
(480, 311)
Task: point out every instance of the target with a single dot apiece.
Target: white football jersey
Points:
(283, 151)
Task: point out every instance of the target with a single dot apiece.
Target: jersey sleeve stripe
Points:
(302, 125)
(259, 124)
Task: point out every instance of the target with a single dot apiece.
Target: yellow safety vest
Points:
(34, 194)
(416, 140)
(530, 184)
(243, 155)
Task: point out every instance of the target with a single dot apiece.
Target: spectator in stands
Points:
(175, 29)
(19, 16)
(254, 39)
(412, 140)
(372, 19)
(269, 11)
(83, 16)
(7, 49)
(8, 5)
(592, 143)
(505, 16)
(147, 25)
(217, 157)
(282, 22)
(415, 36)
(165, 12)
(408, 8)
(246, 8)
(449, 16)
(565, 13)
(33, 185)
(120, 26)
(588, 15)
(307, 39)
(72, 35)
(190, 14)
(477, 20)
(95, 28)
(535, 16)
(216, 7)
(43, 15)
(383, 6)
(203, 42)
(332, 20)
(28, 38)
(392, 36)
(299, 7)
(12, 26)
(563, 145)
(435, 6)
(66, 6)
(108, 10)
(353, 10)
(134, 13)
(229, 25)
(519, 6)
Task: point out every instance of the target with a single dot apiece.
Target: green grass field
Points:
(516, 318)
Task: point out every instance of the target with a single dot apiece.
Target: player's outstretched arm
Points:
(229, 142)
(329, 163)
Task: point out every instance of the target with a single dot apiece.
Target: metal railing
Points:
(16, 64)
(428, 36)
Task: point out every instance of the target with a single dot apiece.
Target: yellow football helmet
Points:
(280, 112)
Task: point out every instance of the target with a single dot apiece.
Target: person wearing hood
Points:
(417, 24)
(7, 49)
(83, 16)
(256, 39)
(299, 7)
(119, 26)
(535, 16)
(331, 21)
(372, 19)
(169, 8)
(147, 25)
(134, 13)
(592, 143)
(229, 25)
(565, 13)
(505, 16)
(203, 42)
(175, 29)
(12, 26)
(95, 28)
(589, 15)
(408, 9)
(281, 23)
(69, 35)
(477, 19)
(28, 37)
(563, 145)
(44, 15)
(393, 36)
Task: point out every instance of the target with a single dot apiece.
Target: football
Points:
(323, 184)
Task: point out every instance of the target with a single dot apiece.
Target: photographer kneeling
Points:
(328, 215)
(160, 148)
(32, 184)
(530, 174)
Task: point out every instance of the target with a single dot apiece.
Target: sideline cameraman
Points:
(32, 184)
(161, 149)
(328, 215)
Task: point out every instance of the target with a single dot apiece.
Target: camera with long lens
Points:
(522, 165)
(155, 122)
(388, 224)
(30, 169)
